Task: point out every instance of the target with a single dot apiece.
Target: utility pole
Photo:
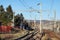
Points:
(13, 20)
(54, 28)
(40, 11)
(35, 22)
(40, 18)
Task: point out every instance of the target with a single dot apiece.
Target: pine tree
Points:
(1, 8)
(9, 9)
(18, 19)
(6, 17)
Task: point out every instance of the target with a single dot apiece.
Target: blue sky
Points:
(27, 4)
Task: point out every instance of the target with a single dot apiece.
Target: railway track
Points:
(28, 36)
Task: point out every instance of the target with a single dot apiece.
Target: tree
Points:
(6, 17)
(1, 8)
(21, 17)
(18, 19)
(9, 9)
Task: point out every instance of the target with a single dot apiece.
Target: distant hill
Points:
(43, 21)
(48, 23)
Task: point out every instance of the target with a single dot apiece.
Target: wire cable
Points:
(22, 4)
(52, 2)
(26, 4)
(51, 7)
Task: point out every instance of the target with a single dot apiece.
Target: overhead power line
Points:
(51, 7)
(26, 4)
(22, 3)
(52, 2)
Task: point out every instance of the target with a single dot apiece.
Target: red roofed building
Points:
(4, 29)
